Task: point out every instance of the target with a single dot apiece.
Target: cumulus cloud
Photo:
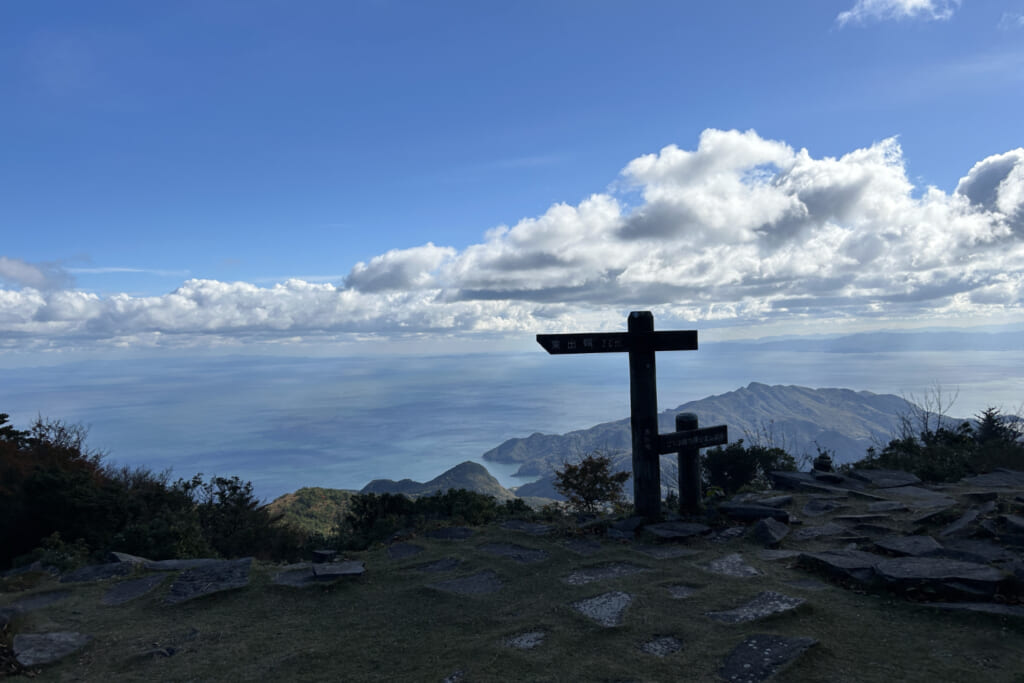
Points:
(884, 10)
(739, 230)
(42, 276)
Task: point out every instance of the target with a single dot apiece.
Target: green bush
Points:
(591, 483)
(735, 466)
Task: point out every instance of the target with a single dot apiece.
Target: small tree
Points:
(591, 482)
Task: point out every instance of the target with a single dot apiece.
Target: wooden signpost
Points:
(641, 342)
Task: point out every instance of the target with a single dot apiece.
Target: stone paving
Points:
(961, 548)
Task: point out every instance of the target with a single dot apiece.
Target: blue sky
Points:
(261, 174)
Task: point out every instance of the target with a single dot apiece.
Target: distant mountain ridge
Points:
(799, 419)
(467, 475)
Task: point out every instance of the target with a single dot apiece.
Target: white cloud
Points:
(1011, 20)
(884, 10)
(42, 276)
(741, 230)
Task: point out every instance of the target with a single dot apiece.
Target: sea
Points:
(286, 422)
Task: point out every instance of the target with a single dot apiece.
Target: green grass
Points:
(389, 625)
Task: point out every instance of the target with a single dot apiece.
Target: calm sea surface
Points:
(284, 423)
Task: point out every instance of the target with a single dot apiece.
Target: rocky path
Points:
(763, 572)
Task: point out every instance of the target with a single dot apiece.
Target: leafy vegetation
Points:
(736, 465)
(590, 484)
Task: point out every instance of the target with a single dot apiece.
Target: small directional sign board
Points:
(694, 438)
(610, 342)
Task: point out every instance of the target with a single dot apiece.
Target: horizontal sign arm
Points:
(610, 342)
(694, 438)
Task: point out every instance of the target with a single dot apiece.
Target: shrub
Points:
(735, 466)
(590, 483)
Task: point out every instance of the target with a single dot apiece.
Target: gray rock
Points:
(732, 565)
(920, 498)
(210, 578)
(620, 534)
(606, 609)
(973, 550)
(680, 591)
(328, 571)
(941, 574)
(1013, 523)
(774, 555)
(403, 550)
(519, 553)
(915, 546)
(980, 496)
(846, 564)
(39, 600)
(677, 531)
(531, 528)
(861, 519)
(126, 591)
(818, 531)
(885, 479)
(481, 583)
(963, 526)
(808, 584)
(769, 532)
(816, 507)
(114, 556)
(752, 511)
(761, 656)
(665, 552)
(451, 533)
(324, 555)
(300, 577)
(35, 649)
(728, 534)
(762, 605)
(178, 565)
(790, 480)
(775, 501)
(612, 570)
(582, 546)
(998, 478)
(662, 646)
(1016, 611)
(887, 506)
(445, 564)
(97, 572)
(526, 641)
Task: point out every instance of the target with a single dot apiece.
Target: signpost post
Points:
(641, 342)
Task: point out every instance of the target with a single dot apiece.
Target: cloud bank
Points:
(740, 230)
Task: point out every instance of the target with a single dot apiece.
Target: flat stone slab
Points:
(178, 565)
(731, 565)
(998, 478)
(931, 570)
(39, 600)
(1016, 611)
(445, 564)
(531, 528)
(681, 591)
(790, 480)
(328, 571)
(975, 550)
(752, 511)
(819, 531)
(773, 555)
(665, 552)
(583, 546)
(887, 506)
(662, 646)
(603, 572)
(920, 498)
(97, 572)
(35, 649)
(519, 553)
(297, 578)
(964, 525)
(769, 531)
(678, 531)
(775, 501)
(606, 609)
(480, 583)
(816, 507)
(451, 533)
(852, 564)
(914, 546)
(526, 641)
(126, 591)
(885, 479)
(763, 605)
(403, 550)
(210, 578)
(761, 656)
